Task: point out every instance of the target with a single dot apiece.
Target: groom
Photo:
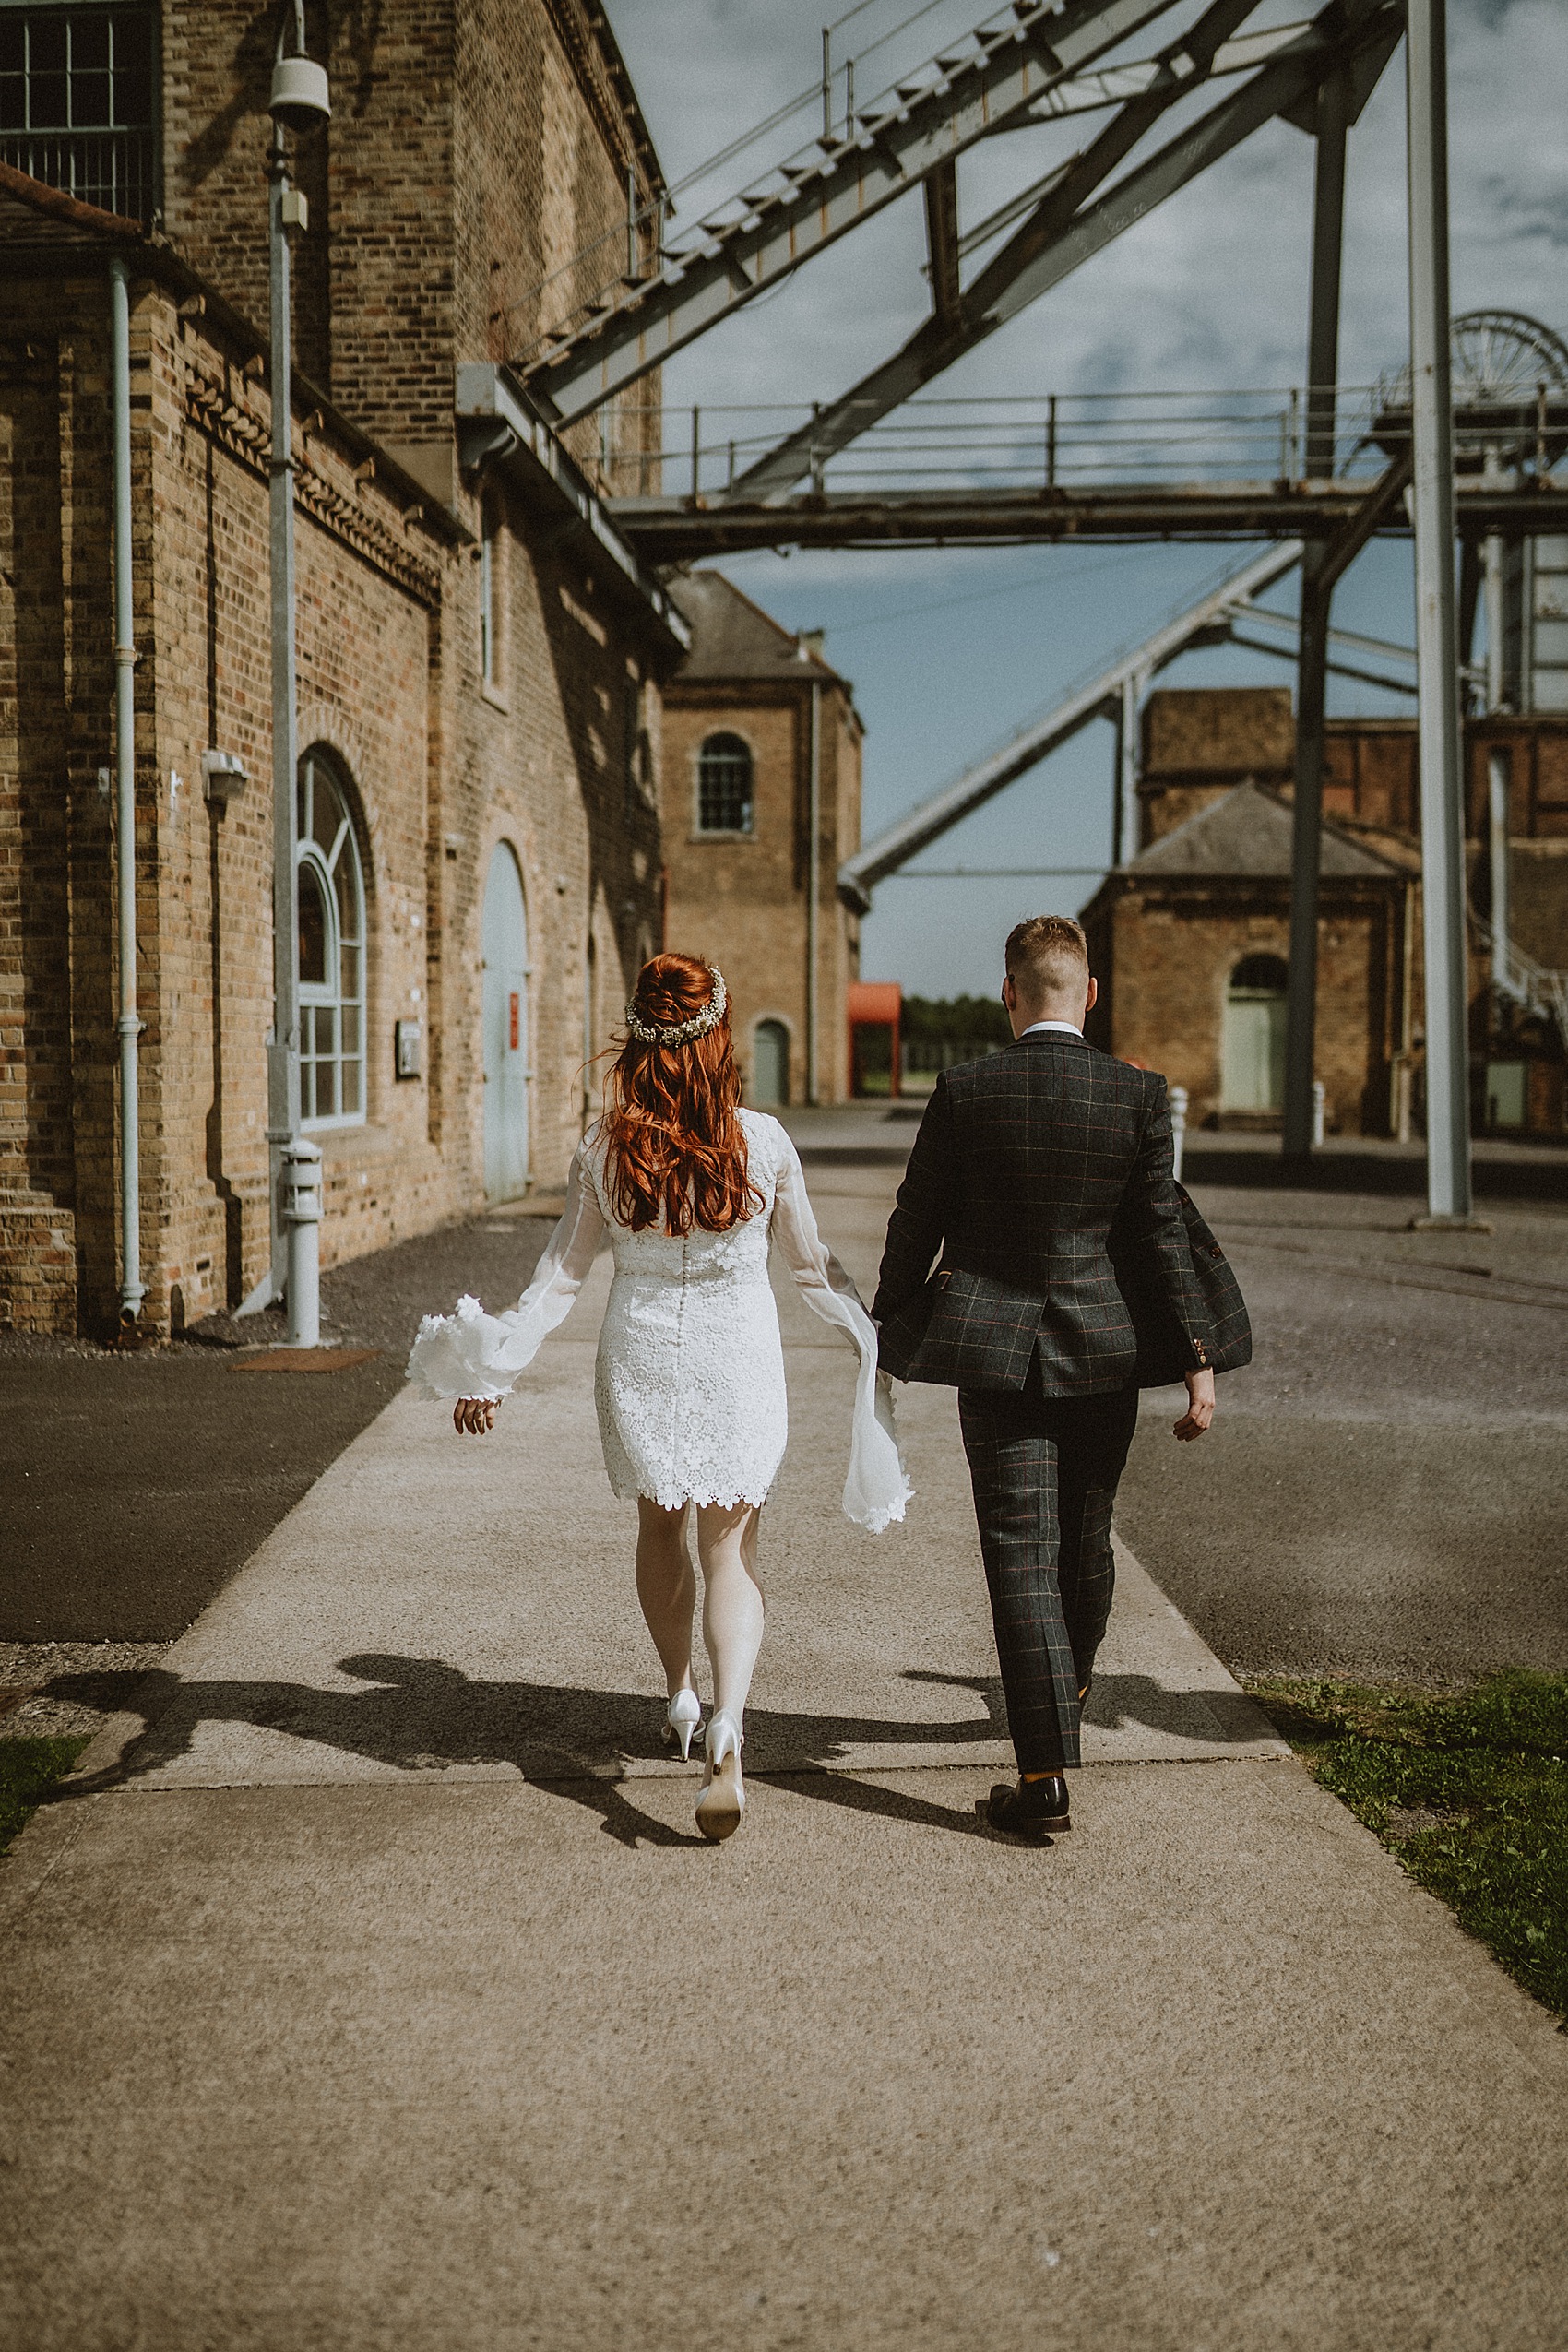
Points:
(1032, 1170)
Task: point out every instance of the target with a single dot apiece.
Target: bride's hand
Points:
(1200, 1406)
(473, 1416)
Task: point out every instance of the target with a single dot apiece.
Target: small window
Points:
(331, 951)
(724, 786)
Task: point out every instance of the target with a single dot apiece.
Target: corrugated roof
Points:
(732, 637)
(1248, 833)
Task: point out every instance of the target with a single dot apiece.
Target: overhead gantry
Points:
(1036, 60)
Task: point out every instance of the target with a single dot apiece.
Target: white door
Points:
(770, 1064)
(505, 1013)
(1253, 1075)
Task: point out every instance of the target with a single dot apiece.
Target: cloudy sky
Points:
(949, 651)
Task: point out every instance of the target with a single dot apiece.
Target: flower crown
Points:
(682, 1032)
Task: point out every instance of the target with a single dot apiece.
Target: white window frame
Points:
(325, 860)
(746, 832)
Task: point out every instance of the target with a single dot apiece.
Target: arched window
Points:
(1252, 1066)
(724, 786)
(331, 941)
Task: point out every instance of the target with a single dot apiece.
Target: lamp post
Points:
(299, 102)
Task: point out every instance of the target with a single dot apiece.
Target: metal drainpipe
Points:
(132, 1290)
(813, 888)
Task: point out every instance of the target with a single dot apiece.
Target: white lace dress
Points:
(690, 1376)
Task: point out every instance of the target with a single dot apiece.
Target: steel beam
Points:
(1103, 698)
(1064, 231)
(820, 199)
(936, 345)
(665, 530)
(1125, 843)
(1443, 830)
(942, 239)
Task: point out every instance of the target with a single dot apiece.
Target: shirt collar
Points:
(1052, 1029)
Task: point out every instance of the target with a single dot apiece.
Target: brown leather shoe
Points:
(1035, 1809)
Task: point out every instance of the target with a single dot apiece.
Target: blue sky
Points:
(949, 651)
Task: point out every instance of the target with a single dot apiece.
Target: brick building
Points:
(479, 657)
(757, 730)
(1190, 938)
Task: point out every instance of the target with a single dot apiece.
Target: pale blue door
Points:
(770, 1064)
(505, 1015)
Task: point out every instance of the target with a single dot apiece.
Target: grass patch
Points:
(1470, 1792)
(28, 1769)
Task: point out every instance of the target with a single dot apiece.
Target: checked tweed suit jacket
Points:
(1030, 1167)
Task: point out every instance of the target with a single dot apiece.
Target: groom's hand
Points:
(1200, 1406)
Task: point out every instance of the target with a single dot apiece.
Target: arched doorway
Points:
(505, 1018)
(1253, 1062)
(770, 1066)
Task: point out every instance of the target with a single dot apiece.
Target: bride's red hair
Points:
(677, 1151)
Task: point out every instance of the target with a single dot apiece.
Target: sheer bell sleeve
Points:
(877, 1487)
(473, 1354)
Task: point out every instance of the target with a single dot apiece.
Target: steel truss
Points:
(1031, 61)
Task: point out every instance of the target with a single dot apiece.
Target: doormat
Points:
(307, 1360)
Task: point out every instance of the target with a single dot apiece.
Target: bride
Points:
(690, 1378)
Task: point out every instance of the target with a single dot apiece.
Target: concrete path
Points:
(370, 1987)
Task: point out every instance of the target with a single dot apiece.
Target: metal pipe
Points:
(1306, 850)
(1127, 843)
(1437, 668)
(814, 886)
(1312, 665)
(295, 1250)
(131, 1290)
(1497, 860)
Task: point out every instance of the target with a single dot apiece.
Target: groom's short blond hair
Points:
(1047, 956)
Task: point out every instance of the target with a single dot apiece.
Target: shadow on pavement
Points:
(422, 1714)
(1539, 1177)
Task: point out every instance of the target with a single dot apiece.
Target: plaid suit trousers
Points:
(1044, 1471)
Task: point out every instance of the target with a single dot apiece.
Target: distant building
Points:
(758, 731)
(1190, 938)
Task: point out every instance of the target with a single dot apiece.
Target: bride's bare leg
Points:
(732, 1602)
(667, 1589)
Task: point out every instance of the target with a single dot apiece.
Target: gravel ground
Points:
(29, 1670)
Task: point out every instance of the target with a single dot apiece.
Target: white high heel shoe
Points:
(723, 1798)
(681, 1719)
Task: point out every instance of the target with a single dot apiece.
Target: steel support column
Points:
(1334, 109)
(1443, 834)
(1127, 844)
(1497, 766)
